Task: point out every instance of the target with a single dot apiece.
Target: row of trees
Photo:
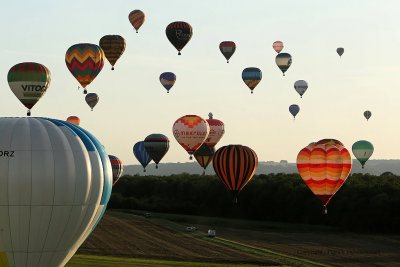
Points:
(365, 203)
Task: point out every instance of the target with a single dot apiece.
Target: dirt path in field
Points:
(126, 235)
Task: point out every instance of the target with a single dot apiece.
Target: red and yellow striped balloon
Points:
(74, 119)
(324, 167)
(235, 165)
(136, 18)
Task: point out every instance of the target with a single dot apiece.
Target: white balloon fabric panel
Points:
(55, 181)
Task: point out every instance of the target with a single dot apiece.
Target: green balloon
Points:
(362, 150)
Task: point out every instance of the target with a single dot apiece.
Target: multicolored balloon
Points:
(301, 87)
(59, 181)
(217, 130)
(179, 34)
(278, 46)
(367, 114)
(283, 61)
(29, 82)
(204, 155)
(113, 47)
(92, 99)
(141, 154)
(167, 79)
(136, 18)
(251, 77)
(294, 109)
(235, 165)
(227, 49)
(156, 145)
(117, 168)
(84, 61)
(362, 150)
(340, 51)
(324, 166)
(191, 132)
(74, 119)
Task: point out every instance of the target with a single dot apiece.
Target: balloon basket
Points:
(324, 210)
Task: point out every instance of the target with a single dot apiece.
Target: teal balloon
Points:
(362, 150)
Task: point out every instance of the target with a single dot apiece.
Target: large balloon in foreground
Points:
(191, 132)
(92, 99)
(362, 150)
(204, 155)
(167, 79)
(156, 146)
(301, 87)
(117, 168)
(74, 119)
(235, 165)
(340, 51)
(141, 154)
(84, 61)
(136, 18)
(283, 61)
(278, 46)
(251, 77)
(324, 166)
(217, 130)
(29, 82)
(227, 49)
(113, 47)
(56, 182)
(179, 34)
(294, 109)
(367, 114)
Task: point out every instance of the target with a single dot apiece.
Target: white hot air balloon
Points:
(55, 182)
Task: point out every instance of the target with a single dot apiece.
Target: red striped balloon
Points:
(235, 165)
(117, 168)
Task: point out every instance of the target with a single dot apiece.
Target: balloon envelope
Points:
(113, 47)
(301, 87)
(167, 79)
(117, 168)
(217, 130)
(251, 77)
(92, 99)
(74, 119)
(141, 154)
(362, 150)
(156, 145)
(283, 61)
(227, 49)
(136, 18)
(204, 155)
(294, 109)
(59, 181)
(278, 46)
(340, 51)
(367, 114)
(29, 82)
(179, 34)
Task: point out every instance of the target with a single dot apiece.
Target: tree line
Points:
(365, 203)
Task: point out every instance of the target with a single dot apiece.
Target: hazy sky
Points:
(133, 103)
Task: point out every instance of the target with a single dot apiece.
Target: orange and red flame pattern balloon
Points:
(74, 119)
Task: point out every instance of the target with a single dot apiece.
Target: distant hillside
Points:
(375, 167)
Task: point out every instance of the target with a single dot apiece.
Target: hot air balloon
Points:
(324, 167)
(294, 109)
(74, 119)
(251, 77)
(227, 49)
(283, 61)
(179, 34)
(362, 150)
(136, 18)
(141, 155)
(367, 114)
(278, 46)
(84, 61)
(301, 87)
(167, 79)
(235, 165)
(191, 132)
(57, 182)
(340, 51)
(29, 82)
(117, 168)
(217, 130)
(92, 99)
(204, 155)
(113, 47)
(156, 146)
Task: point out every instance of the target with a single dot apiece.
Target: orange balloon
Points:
(74, 119)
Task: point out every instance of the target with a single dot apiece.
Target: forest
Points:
(365, 203)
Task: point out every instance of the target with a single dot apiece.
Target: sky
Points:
(133, 103)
